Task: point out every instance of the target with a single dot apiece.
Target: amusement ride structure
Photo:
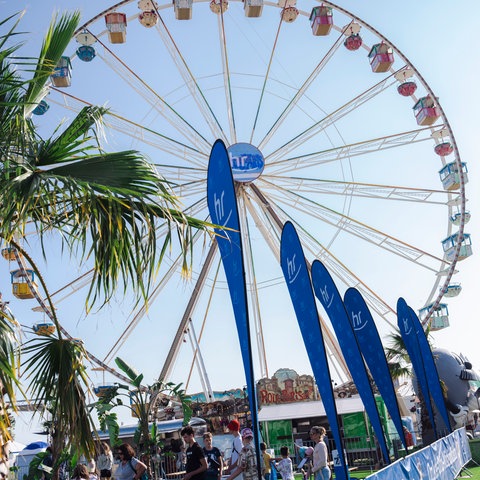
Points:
(328, 125)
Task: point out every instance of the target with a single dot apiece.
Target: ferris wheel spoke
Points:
(137, 317)
(138, 132)
(357, 189)
(358, 229)
(276, 220)
(301, 91)
(153, 98)
(227, 82)
(191, 83)
(265, 80)
(331, 118)
(253, 287)
(341, 152)
(311, 244)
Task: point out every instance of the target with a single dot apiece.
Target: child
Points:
(284, 466)
(267, 458)
(305, 466)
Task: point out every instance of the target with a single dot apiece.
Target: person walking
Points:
(237, 445)
(214, 458)
(196, 462)
(105, 461)
(129, 468)
(247, 460)
(320, 468)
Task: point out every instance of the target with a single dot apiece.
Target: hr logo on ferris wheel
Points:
(247, 162)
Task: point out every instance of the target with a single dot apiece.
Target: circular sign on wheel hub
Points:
(247, 162)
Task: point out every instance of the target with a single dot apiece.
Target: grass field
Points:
(473, 471)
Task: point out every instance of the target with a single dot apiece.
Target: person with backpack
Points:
(129, 468)
(237, 445)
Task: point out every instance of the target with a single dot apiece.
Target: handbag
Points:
(144, 474)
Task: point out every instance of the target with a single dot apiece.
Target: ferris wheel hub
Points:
(247, 162)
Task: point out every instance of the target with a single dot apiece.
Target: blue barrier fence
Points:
(442, 460)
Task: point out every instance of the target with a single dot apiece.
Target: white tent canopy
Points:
(287, 411)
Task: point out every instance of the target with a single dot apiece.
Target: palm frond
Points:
(55, 42)
(57, 376)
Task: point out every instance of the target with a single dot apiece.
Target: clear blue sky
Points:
(438, 40)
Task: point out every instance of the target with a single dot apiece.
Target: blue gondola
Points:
(41, 108)
(86, 53)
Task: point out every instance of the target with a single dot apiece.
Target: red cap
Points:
(234, 425)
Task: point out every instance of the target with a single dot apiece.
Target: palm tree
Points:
(397, 356)
(104, 206)
(144, 401)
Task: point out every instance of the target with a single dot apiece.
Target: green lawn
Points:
(474, 471)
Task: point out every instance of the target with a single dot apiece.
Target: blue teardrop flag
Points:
(371, 347)
(431, 372)
(299, 286)
(409, 335)
(222, 205)
(326, 291)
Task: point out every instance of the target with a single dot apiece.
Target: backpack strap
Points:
(131, 466)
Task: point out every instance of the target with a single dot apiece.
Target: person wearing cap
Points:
(196, 462)
(247, 460)
(237, 445)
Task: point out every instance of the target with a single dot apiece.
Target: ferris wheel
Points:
(327, 124)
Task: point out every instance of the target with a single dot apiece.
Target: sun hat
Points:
(234, 425)
(247, 432)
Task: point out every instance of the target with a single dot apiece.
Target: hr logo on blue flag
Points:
(357, 322)
(292, 269)
(328, 299)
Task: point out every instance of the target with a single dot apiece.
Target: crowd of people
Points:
(207, 462)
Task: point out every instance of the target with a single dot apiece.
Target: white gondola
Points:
(456, 218)
(453, 290)
(450, 176)
(439, 318)
(449, 246)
